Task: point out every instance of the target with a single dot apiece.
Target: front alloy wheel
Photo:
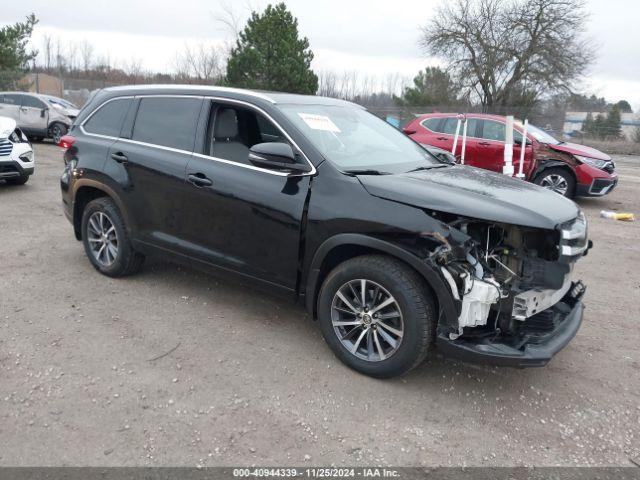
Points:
(367, 320)
(377, 315)
(556, 183)
(57, 132)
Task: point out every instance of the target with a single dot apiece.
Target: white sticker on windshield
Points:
(319, 122)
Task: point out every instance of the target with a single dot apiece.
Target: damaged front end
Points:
(516, 302)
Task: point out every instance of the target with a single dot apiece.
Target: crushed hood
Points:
(475, 193)
(575, 149)
(7, 126)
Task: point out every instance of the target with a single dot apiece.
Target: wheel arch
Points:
(86, 190)
(553, 163)
(339, 248)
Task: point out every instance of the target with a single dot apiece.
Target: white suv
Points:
(39, 116)
(16, 155)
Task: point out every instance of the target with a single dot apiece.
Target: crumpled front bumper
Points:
(524, 350)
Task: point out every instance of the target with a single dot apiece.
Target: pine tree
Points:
(587, 126)
(433, 86)
(612, 125)
(270, 55)
(14, 55)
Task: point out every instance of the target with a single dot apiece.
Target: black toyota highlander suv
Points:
(391, 249)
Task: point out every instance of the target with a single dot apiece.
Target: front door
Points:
(34, 114)
(241, 217)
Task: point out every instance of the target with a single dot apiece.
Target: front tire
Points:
(57, 131)
(557, 180)
(377, 315)
(106, 240)
(21, 180)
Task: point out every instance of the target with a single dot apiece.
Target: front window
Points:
(539, 134)
(353, 139)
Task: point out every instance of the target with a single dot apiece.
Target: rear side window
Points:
(12, 98)
(107, 120)
(167, 121)
(431, 124)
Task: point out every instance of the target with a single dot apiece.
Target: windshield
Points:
(539, 134)
(59, 102)
(353, 139)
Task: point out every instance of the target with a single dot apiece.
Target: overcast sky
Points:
(374, 37)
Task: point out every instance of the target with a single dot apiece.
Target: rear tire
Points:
(558, 180)
(21, 180)
(106, 240)
(389, 281)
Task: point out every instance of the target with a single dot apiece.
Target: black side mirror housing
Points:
(43, 111)
(276, 156)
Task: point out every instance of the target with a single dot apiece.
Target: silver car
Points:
(39, 116)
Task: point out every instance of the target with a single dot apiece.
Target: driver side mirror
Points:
(44, 111)
(276, 156)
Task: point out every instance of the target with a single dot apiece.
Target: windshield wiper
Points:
(418, 169)
(365, 171)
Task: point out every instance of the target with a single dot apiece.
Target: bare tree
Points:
(47, 51)
(133, 68)
(503, 52)
(86, 55)
(202, 62)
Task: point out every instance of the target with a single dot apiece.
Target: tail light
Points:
(66, 142)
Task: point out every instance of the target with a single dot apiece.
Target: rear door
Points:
(10, 106)
(491, 145)
(242, 217)
(150, 160)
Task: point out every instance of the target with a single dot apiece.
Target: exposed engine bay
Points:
(508, 280)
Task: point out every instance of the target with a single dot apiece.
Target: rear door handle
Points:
(199, 180)
(119, 157)
(443, 138)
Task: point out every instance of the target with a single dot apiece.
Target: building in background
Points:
(43, 83)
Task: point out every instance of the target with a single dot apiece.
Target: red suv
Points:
(567, 168)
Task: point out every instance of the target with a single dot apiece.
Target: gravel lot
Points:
(252, 382)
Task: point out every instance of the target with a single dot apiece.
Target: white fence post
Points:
(507, 169)
(523, 148)
(464, 140)
(455, 138)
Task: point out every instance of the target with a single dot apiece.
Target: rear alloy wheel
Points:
(377, 315)
(557, 180)
(106, 240)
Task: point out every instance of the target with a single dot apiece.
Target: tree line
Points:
(497, 57)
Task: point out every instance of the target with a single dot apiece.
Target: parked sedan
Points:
(566, 168)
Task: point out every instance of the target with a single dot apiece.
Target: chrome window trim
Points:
(201, 155)
(213, 89)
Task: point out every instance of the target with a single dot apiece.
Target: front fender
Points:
(431, 276)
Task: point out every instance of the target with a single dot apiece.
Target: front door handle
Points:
(443, 138)
(199, 180)
(119, 157)
(484, 144)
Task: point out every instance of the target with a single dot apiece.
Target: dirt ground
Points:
(249, 380)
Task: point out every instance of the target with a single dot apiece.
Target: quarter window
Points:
(431, 124)
(107, 120)
(167, 121)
